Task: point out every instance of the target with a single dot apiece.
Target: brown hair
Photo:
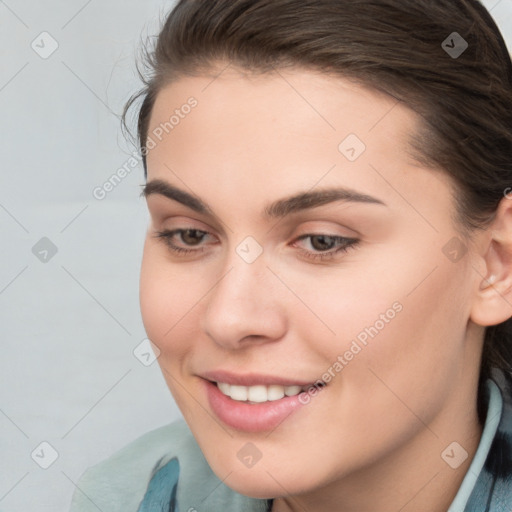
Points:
(392, 46)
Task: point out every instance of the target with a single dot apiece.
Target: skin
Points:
(373, 438)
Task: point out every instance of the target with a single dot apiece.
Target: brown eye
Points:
(322, 242)
(187, 238)
(192, 236)
(326, 247)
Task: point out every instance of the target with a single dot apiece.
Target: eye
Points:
(189, 237)
(324, 247)
(328, 246)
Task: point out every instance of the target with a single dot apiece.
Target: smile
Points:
(259, 393)
(255, 403)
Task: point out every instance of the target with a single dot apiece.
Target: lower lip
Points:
(260, 417)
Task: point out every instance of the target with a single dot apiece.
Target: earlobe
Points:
(493, 298)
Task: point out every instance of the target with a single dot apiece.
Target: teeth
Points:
(259, 393)
(292, 390)
(238, 393)
(224, 387)
(275, 392)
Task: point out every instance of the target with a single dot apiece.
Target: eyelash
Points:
(346, 244)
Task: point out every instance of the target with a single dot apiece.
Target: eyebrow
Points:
(277, 209)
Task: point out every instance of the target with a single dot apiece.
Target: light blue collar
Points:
(491, 425)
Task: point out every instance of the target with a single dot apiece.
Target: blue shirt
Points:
(165, 471)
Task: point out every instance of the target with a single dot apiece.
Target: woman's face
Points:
(318, 250)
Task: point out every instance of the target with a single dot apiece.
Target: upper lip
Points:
(253, 379)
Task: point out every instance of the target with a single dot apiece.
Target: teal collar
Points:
(492, 420)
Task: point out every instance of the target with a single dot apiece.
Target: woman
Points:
(327, 273)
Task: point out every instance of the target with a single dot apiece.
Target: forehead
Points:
(329, 103)
(291, 130)
(288, 113)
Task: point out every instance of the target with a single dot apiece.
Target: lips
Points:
(253, 379)
(252, 402)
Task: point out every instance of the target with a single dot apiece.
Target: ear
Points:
(493, 300)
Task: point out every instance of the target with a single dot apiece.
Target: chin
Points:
(263, 480)
(259, 485)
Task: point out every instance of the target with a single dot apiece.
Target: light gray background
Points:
(70, 325)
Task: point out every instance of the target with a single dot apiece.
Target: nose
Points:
(245, 306)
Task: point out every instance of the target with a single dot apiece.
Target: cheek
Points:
(416, 356)
(395, 316)
(332, 307)
(167, 297)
